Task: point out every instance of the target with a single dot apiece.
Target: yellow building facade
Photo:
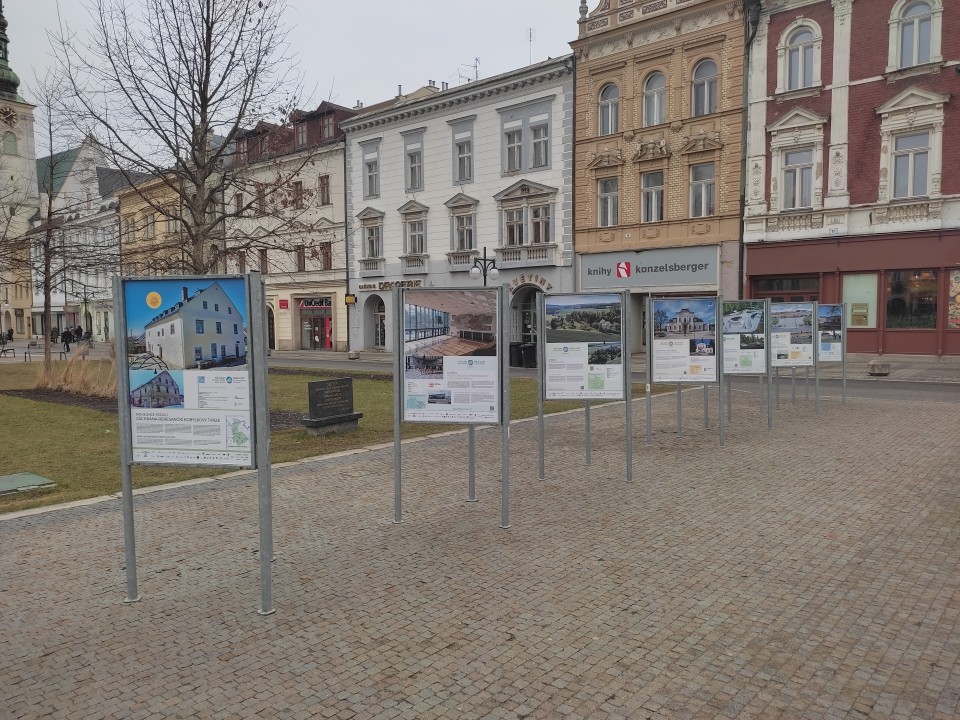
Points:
(658, 137)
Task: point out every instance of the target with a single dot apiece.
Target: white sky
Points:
(406, 42)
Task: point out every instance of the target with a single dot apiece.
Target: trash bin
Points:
(529, 351)
(516, 355)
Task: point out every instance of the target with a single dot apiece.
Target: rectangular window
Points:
(415, 170)
(150, 226)
(301, 253)
(540, 224)
(219, 328)
(216, 307)
(264, 267)
(372, 245)
(204, 304)
(173, 224)
(416, 240)
(173, 329)
(324, 189)
(910, 156)
(199, 327)
(241, 152)
(197, 354)
(911, 297)
(213, 351)
(235, 329)
(297, 191)
(797, 179)
(261, 198)
(301, 134)
(328, 127)
(238, 203)
(371, 186)
(514, 140)
(702, 190)
(541, 147)
(513, 226)
(652, 188)
(242, 262)
(608, 201)
(464, 224)
(465, 160)
(326, 256)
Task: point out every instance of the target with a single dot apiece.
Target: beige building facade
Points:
(658, 137)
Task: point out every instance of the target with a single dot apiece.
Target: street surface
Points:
(808, 571)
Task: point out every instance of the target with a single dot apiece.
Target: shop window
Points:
(911, 299)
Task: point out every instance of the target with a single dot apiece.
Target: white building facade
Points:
(439, 180)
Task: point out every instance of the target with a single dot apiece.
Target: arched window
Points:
(9, 144)
(609, 109)
(916, 28)
(654, 100)
(705, 88)
(915, 34)
(800, 59)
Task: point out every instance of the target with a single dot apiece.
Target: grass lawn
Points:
(78, 448)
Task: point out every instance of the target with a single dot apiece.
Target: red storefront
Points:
(902, 291)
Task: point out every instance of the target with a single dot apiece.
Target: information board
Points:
(792, 333)
(583, 346)
(830, 332)
(684, 340)
(190, 387)
(744, 326)
(451, 364)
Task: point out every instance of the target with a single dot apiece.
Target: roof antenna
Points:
(531, 36)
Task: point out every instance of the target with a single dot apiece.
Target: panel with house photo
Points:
(187, 367)
(684, 340)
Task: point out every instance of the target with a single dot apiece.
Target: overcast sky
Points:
(350, 50)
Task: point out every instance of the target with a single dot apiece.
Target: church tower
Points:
(19, 197)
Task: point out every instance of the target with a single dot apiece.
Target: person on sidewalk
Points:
(66, 338)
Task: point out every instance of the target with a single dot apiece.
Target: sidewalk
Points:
(904, 368)
(808, 571)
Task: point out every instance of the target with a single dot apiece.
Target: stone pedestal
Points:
(331, 407)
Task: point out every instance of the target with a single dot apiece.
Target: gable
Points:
(911, 99)
(369, 213)
(797, 118)
(524, 189)
(701, 142)
(607, 158)
(461, 200)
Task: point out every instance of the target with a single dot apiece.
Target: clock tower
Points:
(19, 197)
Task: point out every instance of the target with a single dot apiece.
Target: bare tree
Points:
(167, 87)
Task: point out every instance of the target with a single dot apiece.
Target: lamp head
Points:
(493, 274)
(474, 272)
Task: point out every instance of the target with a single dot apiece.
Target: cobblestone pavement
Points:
(808, 571)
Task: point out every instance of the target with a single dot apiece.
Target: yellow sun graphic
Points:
(153, 300)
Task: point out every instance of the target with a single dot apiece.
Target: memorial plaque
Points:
(329, 398)
(331, 406)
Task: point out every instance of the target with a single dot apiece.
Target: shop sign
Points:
(284, 304)
(660, 268)
(349, 299)
(390, 285)
(534, 279)
(307, 303)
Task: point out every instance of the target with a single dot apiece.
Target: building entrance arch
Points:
(375, 323)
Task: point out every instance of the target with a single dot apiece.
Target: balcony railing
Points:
(415, 264)
(372, 267)
(526, 255)
(461, 260)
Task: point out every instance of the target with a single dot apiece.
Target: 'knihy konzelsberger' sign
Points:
(661, 268)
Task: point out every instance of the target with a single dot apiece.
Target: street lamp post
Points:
(487, 267)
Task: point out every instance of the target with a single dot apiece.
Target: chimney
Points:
(431, 83)
(185, 294)
(399, 90)
(445, 85)
(358, 105)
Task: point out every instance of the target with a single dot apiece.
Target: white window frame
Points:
(540, 225)
(910, 155)
(608, 202)
(513, 144)
(651, 193)
(513, 227)
(464, 160)
(701, 190)
(414, 169)
(798, 171)
(654, 100)
(795, 132)
(608, 115)
(371, 178)
(912, 112)
(372, 241)
(783, 55)
(415, 232)
(705, 86)
(540, 146)
(464, 235)
(301, 134)
(896, 22)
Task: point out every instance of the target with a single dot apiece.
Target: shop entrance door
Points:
(316, 332)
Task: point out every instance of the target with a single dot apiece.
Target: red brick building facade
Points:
(853, 138)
